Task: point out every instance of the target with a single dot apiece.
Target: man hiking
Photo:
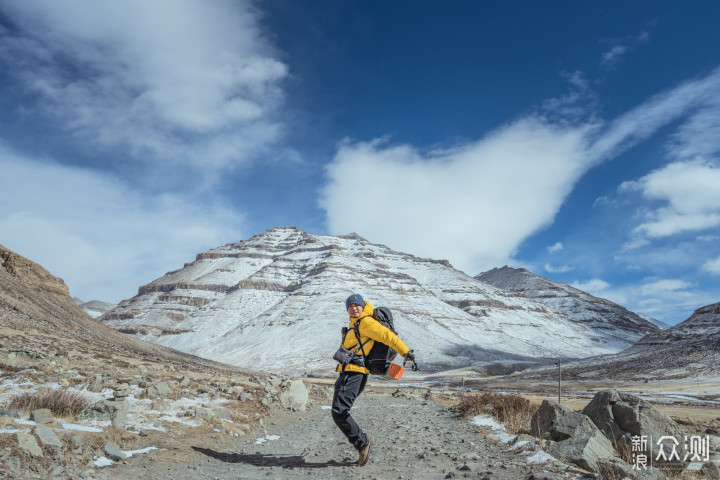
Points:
(353, 376)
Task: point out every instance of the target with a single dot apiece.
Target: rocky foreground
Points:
(182, 424)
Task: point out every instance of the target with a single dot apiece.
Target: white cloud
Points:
(561, 269)
(613, 56)
(191, 82)
(101, 236)
(712, 266)
(594, 286)
(690, 193)
(472, 204)
(476, 203)
(555, 248)
(664, 287)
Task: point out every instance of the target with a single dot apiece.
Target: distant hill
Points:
(275, 302)
(94, 308)
(689, 349)
(599, 314)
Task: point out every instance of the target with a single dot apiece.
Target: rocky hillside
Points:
(689, 349)
(39, 318)
(275, 302)
(601, 315)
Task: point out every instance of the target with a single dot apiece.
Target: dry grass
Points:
(62, 403)
(512, 410)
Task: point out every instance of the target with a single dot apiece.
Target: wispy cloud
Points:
(555, 248)
(190, 83)
(690, 194)
(561, 269)
(712, 266)
(102, 236)
(619, 48)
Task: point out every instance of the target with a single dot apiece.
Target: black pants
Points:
(348, 387)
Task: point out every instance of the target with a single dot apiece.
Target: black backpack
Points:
(380, 356)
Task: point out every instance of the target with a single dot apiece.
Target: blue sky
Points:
(579, 140)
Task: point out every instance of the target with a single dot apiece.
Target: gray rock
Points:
(249, 384)
(47, 436)
(158, 390)
(621, 416)
(104, 410)
(121, 391)
(96, 384)
(114, 453)
(77, 441)
(223, 413)
(578, 440)
(14, 464)
(10, 413)
(712, 470)
(293, 395)
(42, 415)
(204, 413)
(244, 397)
(28, 443)
(184, 381)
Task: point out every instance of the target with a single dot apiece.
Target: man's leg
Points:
(347, 388)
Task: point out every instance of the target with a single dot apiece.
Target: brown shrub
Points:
(512, 410)
(62, 403)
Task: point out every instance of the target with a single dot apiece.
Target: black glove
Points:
(410, 356)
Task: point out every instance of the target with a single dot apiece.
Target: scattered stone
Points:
(96, 384)
(184, 381)
(104, 410)
(293, 395)
(114, 453)
(244, 397)
(159, 407)
(28, 443)
(223, 413)
(42, 415)
(204, 413)
(10, 413)
(63, 382)
(14, 464)
(158, 390)
(121, 391)
(47, 436)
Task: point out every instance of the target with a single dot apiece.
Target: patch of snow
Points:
(498, 429)
(540, 457)
(130, 453)
(103, 462)
(326, 407)
(11, 430)
(22, 421)
(264, 439)
(80, 428)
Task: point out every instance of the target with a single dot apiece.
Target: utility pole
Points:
(559, 377)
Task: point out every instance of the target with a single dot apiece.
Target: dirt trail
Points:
(412, 439)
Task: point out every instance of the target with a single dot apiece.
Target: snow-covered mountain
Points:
(601, 315)
(689, 349)
(94, 308)
(275, 302)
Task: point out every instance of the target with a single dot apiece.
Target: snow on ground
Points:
(266, 438)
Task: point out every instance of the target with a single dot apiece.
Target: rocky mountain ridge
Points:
(599, 314)
(39, 318)
(275, 302)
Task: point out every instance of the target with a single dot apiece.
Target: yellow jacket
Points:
(370, 331)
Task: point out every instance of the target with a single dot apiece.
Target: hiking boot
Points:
(364, 453)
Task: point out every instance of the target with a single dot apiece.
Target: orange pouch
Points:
(396, 371)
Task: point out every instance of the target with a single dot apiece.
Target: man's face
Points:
(355, 310)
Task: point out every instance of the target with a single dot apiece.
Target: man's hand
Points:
(410, 356)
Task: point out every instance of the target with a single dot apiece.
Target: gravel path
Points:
(412, 439)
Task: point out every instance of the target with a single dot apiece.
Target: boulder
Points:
(158, 390)
(184, 381)
(104, 410)
(621, 416)
(42, 415)
(96, 384)
(114, 453)
(204, 413)
(121, 391)
(293, 395)
(575, 437)
(28, 443)
(47, 436)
